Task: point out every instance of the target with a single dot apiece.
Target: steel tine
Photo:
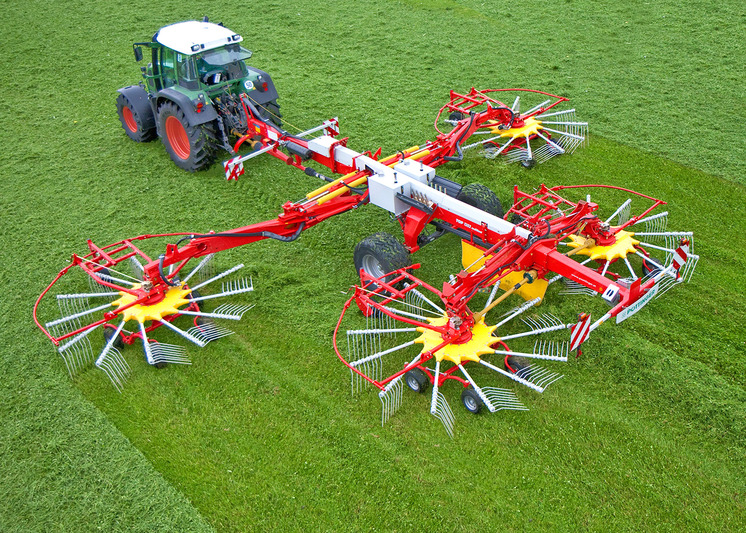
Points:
(115, 367)
(78, 315)
(391, 398)
(425, 299)
(137, 267)
(237, 287)
(381, 353)
(226, 311)
(207, 332)
(504, 399)
(199, 267)
(217, 277)
(169, 353)
(439, 407)
(515, 377)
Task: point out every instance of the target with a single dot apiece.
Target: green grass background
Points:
(646, 431)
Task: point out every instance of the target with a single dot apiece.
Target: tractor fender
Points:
(263, 97)
(138, 97)
(207, 114)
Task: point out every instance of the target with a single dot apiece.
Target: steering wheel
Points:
(212, 77)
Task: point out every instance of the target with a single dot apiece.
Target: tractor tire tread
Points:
(203, 139)
(481, 197)
(142, 134)
(387, 247)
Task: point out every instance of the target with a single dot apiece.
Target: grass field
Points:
(646, 430)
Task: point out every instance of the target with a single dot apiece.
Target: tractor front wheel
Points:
(137, 118)
(190, 147)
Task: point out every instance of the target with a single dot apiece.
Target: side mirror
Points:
(138, 53)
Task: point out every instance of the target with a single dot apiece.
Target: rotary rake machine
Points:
(520, 257)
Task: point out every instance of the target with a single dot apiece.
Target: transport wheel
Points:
(471, 401)
(479, 196)
(380, 254)
(190, 147)
(417, 380)
(137, 118)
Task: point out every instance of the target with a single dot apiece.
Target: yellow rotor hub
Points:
(531, 126)
(479, 344)
(175, 298)
(625, 244)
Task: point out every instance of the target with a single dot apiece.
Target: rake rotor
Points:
(133, 308)
(530, 136)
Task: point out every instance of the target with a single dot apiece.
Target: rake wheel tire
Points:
(515, 364)
(528, 163)
(137, 118)
(649, 270)
(109, 333)
(195, 294)
(192, 148)
(417, 380)
(380, 254)
(481, 197)
(471, 400)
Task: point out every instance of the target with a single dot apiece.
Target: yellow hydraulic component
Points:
(479, 344)
(342, 190)
(529, 291)
(531, 126)
(331, 184)
(624, 245)
(472, 258)
(175, 298)
(415, 157)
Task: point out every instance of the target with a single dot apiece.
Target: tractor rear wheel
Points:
(380, 254)
(136, 118)
(479, 196)
(273, 114)
(190, 147)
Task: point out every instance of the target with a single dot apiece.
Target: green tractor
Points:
(191, 96)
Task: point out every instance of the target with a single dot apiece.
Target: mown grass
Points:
(645, 431)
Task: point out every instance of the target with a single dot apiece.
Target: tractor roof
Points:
(192, 37)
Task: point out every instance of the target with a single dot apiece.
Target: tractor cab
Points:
(196, 56)
(222, 65)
